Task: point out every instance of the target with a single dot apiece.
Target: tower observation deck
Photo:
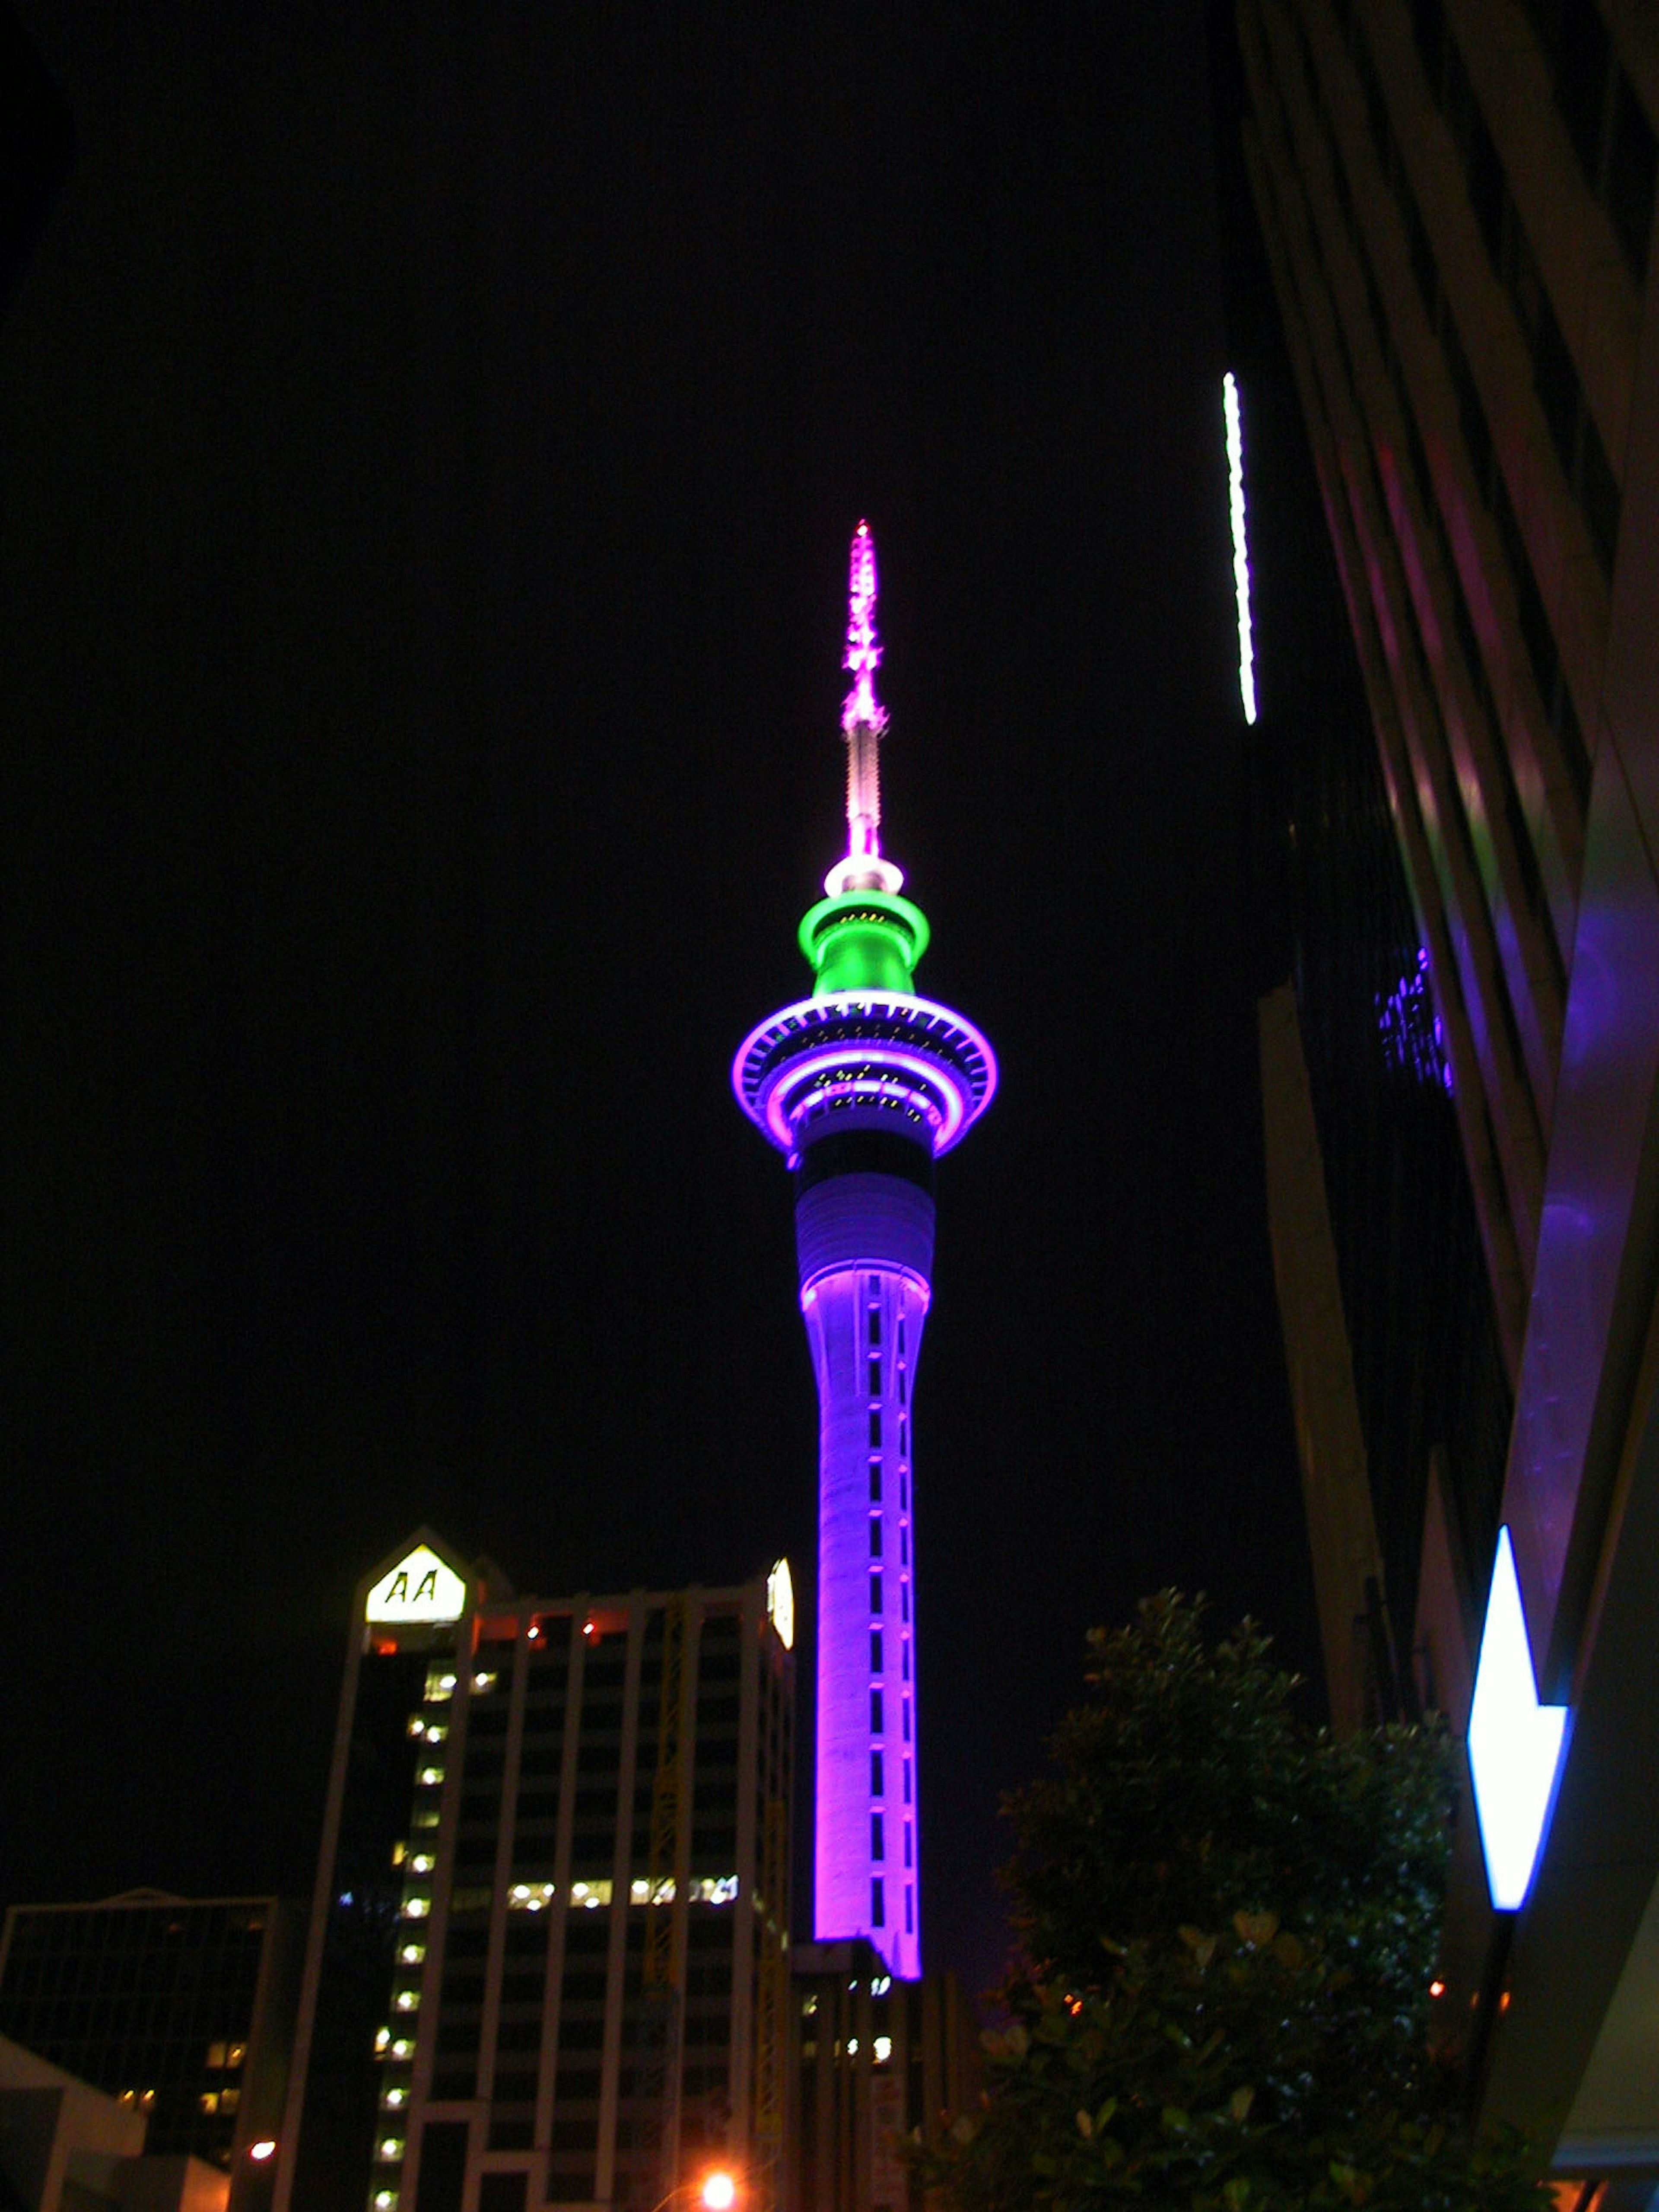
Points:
(862, 1086)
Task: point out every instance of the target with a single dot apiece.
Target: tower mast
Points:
(861, 1087)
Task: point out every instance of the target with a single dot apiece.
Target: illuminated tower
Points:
(861, 1087)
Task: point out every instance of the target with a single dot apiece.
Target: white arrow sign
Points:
(1515, 1743)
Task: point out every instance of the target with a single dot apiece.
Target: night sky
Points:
(429, 440)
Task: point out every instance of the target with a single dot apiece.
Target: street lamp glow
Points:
(719, 2191)
(1241, 551)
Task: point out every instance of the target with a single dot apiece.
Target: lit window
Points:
(215, 2057)
(391, 2147)
(430, 1777)
(417, 1725)
(236, 2054)
(412, 1953)
(852, 2046)
(883, 2049)
(436, 1731)
(438, 1687)
(423, 1862)
(880, 1985)
(386, 2200)
(398, 1852)
(417, 1908)
(403, 2047)
(382, 2040)
(537, 1896)
(425, 1815)
(588, 1894)
(210, 2101)
(481, 1682)
(407, 2000)
(809, 2007)
(395, 2097)
(147, 2097)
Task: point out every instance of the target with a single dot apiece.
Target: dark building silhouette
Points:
(180, 2008)
(1455, 199)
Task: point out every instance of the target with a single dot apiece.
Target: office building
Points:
(875, 2060)
(549, 1956)
(1457, 198)
(861, 1087)
(181, 2008)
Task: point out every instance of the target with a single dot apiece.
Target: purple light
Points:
(1412, 1039)
(865, 1655)
(898, 1052)
(863, 656)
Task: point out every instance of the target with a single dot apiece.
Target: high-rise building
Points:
(549, 1955)
(861, 1087)
(181, 2007)
(1457, 201)
(876, 2060)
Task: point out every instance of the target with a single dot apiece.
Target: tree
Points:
(1226, 1924)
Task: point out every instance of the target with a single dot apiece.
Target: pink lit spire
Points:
(862, 719)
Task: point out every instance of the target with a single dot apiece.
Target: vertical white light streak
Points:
(1241, 553)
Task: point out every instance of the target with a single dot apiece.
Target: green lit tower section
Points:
(861, 1087)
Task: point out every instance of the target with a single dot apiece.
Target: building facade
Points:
(861, 1087)
(549, 1957)
(181, 2008)
(1457, 201)
(875, 2060)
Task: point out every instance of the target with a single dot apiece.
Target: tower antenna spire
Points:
(863, 721)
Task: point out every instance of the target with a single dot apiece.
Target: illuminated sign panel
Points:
(419, 1587)
(781, 1603)
(1515, 1742)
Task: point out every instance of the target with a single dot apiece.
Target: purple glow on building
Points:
(1412, 1039)
(862, 1091)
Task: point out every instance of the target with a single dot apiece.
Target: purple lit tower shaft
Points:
(861, 1087)
(864, 1246)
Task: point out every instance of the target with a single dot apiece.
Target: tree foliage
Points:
(1226, 1925)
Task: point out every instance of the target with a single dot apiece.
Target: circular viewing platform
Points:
(864, 1055)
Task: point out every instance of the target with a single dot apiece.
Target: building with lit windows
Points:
(549, 1957)
(861, 1087)
(875, 2060)
(1457, 198)
(181, 2008)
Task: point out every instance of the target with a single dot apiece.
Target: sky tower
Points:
(861, 1087)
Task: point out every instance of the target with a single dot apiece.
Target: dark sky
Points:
(428, 443)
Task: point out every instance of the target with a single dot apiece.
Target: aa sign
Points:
(419, 1587)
